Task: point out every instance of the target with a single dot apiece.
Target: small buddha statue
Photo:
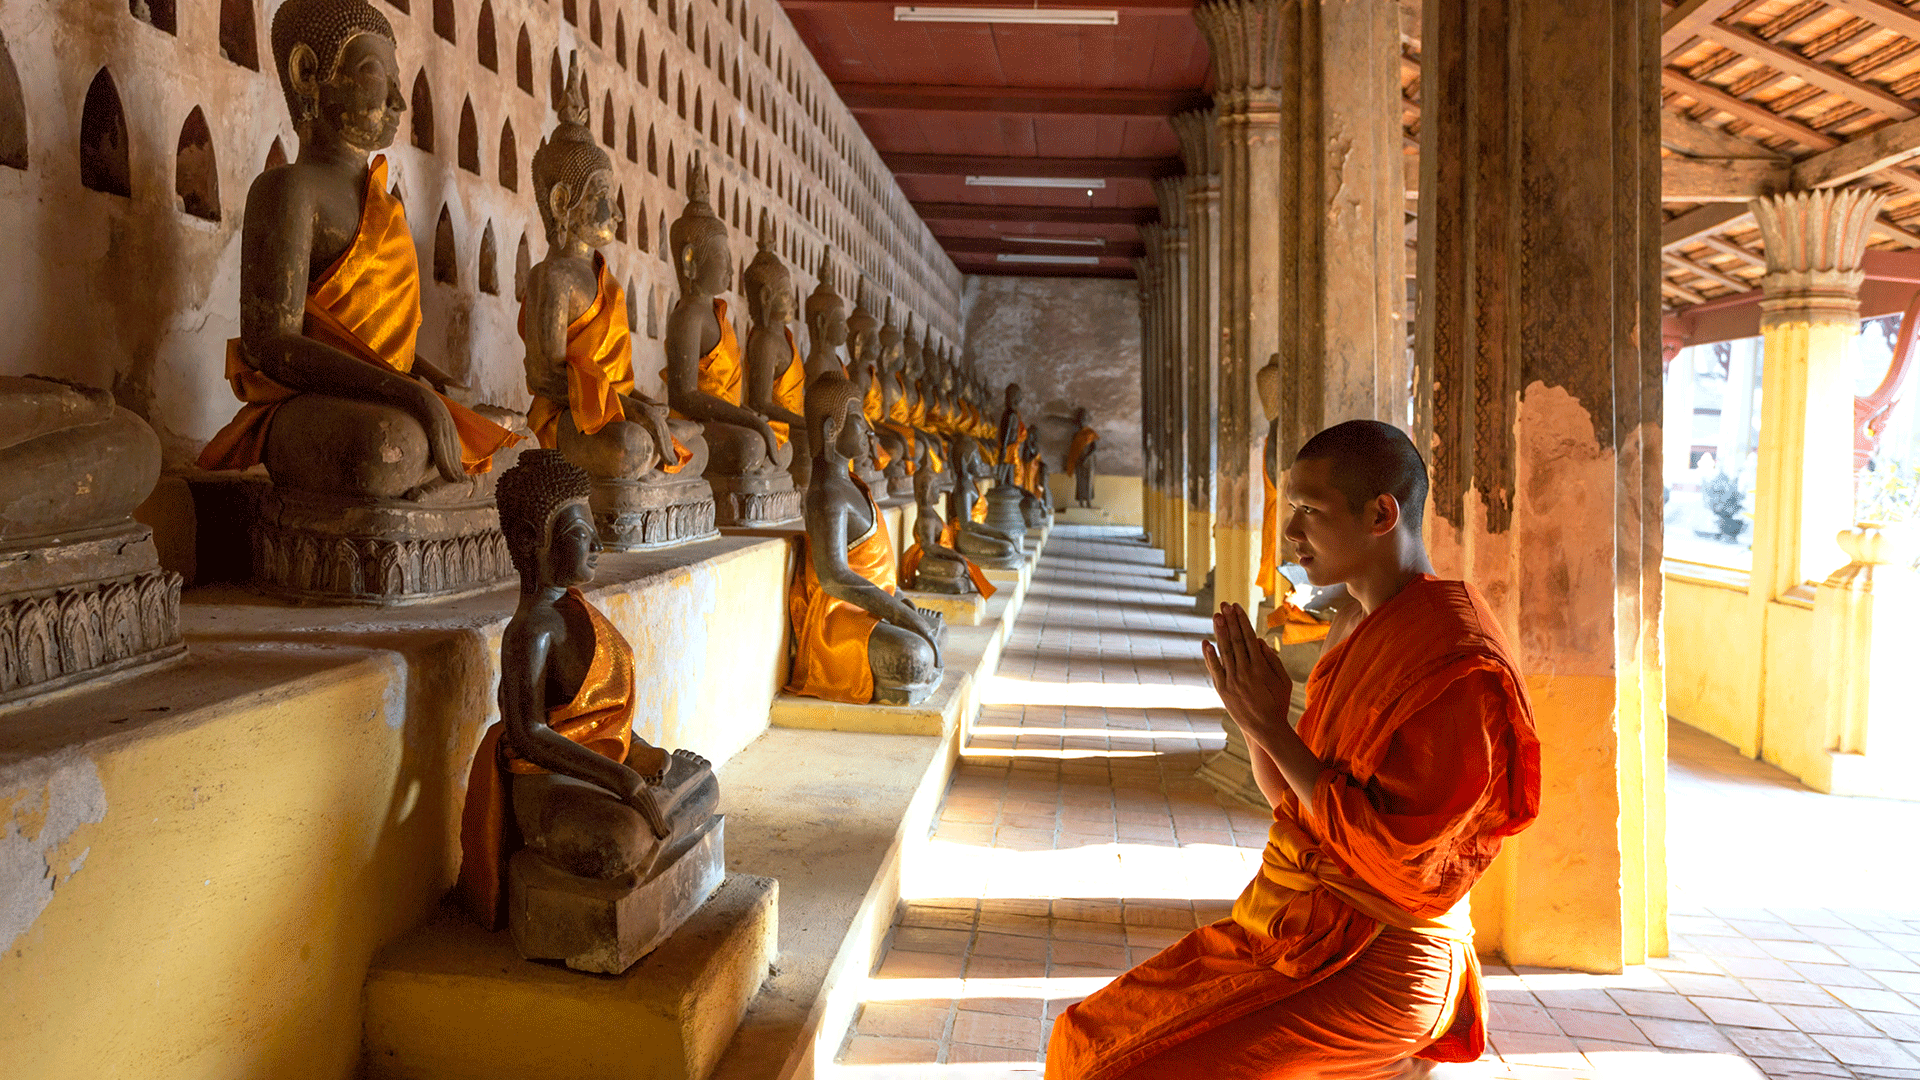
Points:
(966, 514)
(895, 421)
(827, 332)
(776, 375)
(706, 377)
(932, 564)
(563, 797)
(1035, 505)
(1080, 455)
(854, 639)
(1011, 475)
(335, 399)
(646, 466)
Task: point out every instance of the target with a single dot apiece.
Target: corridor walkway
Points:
(1074, 842)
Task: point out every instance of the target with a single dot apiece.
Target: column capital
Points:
(1244, 37)
(1814, 243)
(1171, 193)
(1199, 135)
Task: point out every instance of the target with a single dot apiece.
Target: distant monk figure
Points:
(1080, 459)
(1351, 953)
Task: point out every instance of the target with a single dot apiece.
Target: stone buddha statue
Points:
(776, 375)
(1080, 457)
(932, 564)
(706, 374)
(589, 843)
(357, 431)
(646, 467)
(826, 333)
(895, 422)
(1004, 510)
(890, 454)
(985, 544)
(854, 639)
(1037, 505)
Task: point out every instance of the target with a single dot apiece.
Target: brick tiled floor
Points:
(1074, 842)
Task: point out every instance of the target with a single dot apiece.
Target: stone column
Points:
(1171, 193)
(1866, 618)
(1244, 38)
(1811, 313)
(1539, 359)
(1145, 270)
(1199, 149)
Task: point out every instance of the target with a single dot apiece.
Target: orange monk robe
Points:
(599, 369)
(790, 389)
(898, 420)
(829, 634)
(600, 718)
(367, 305)
(1269, 576)
(1083, 441)
(1352, 948)
(873, 407)
(1296, 626)
(723, 371)
(910, 566)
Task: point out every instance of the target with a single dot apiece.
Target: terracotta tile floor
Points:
(1074, 842)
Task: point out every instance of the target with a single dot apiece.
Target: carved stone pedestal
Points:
(600, 926)
(941, 576)
(1004, 510)
(634, 516)
(77, 608)
(1034, 512)
(752, 501)
(328, 549)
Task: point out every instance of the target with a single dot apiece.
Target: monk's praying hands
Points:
(1256, 690)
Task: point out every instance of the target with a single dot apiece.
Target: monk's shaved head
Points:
(1370, 459)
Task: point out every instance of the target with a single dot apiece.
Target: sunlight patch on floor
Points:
(1134, 871)
(1008, 690)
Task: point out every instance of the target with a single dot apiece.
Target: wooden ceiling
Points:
(945, 101)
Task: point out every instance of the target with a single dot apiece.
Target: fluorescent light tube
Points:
(1034, 16)
(1075, 241)
(1049, 260)
(1083, 182)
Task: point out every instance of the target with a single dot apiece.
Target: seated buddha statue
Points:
(896, 421)
(827, 333)
(335, 399)
(854, 639)
(892, 455)
(1010, 476)
(646, 466)
(776, 375)
(985, 544)
(932, 564)
(706, 374)
(1036, 506)
(563, 796)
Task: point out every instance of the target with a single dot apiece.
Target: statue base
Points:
(601, 926)
(1004, 509)
(898, 482)
(332, 550)
(75, 609)
(1085, 515)
(1037, 514)
(635, 515)
(971, 545)
(752, 501)
(942, 576)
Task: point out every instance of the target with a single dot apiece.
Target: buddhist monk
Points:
(1350, 955)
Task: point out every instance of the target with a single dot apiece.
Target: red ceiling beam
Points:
(980, 165)
(1049, 215)
(980, 245)
(1169, 7)
(1012, 101)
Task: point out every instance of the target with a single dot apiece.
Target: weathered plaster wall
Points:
(1068, 342)
(135, 294)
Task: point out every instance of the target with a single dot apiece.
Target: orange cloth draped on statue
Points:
(910, 563)
(1083, 441)
(897, 421)
(1296, 626)
(1269, 576)
(872, 407)
(599, 368)
(790, 389)
(830, 635)
(723, 370)
(366, 305)
(600, 718)
(1422, 722)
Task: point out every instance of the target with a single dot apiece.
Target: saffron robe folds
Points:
(1430, 760)
(600, 718)
(829, 634)
(599, 369)
(790, 389)
(1083, 441)
(949, 532)
(723, 370)
(1268, 577)
(367, 305)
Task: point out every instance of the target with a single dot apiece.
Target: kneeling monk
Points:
(1350, 955)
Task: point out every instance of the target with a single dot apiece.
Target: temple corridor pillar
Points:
(1199, 149)
(1146, 271)
(1244, 38)
(1539, 398)
(1171, 193)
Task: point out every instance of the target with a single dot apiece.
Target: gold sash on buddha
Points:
(367, 305)
(600, 718)
(722, 370)
(790, 389)
(599, 369)
(1083, 441)
(910, 562)
(830, 635)
(1269, 575)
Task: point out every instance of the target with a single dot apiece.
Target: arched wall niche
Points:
(239, 41)
(633, 137)
(276, 155)
(444, 20)
(486, 47)
(104, 165)
(522, 265)
(446, 258)
(620, 38)
(469, 156)
(570, 11)
(523, 62)
(196, 179)
(606, 122)
(159, 14)
(556, 81)
(509, 158)
(489, 263)
(593, 21)
(421, 106)
(13, 112)
(620, 217)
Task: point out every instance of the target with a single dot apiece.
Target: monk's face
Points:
(1330, 540)
(574, 549)
(362, 102)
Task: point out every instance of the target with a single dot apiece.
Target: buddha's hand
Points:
(766, 432)
(928, 625)
(443, 439)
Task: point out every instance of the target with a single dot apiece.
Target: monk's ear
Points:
(1385, 514)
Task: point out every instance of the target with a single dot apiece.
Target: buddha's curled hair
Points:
(325, 26)
(530, 495)
(830, 394)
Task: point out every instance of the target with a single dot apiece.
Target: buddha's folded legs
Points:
(740, 451)
(344, 446)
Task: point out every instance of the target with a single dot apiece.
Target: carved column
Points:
(1175, 246)
(1866, 617)
(1244, 38)
(1539, 352)
(1145, 270)
(1199, 149)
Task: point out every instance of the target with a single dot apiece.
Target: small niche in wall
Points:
(640, 56)
(662, 249)
(653, 154)
(680, 95)
(673, 14)
(103, 139)
(633, 302)
(593, 21)
(523, 62)
(509, 158)
(469, 138)
(670, 180)
(699, 107)
(570, 10)
(620, 216)
(606, 122)
(421, 105)
(556, 80)
(159, 14)
(620, 38)
(640, 234)
(653, 312)
(400, 6)
(446, 260)
(238, 40)
(633, 137)
(661, 83)
(485, 45)
(276, 155)
(489, 263)
(195, 178)
(443, 19)
(522, 265)
(13, 112)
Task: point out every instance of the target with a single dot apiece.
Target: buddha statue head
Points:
(928, 485)
(572, 176)
(698, 240)
(863, 330)
(912, 355)
(544, 516)
(891, 342)
(833, 416)
(1081, 416)
(826, 312)
(338, 70)
(1013, 396)
(1266, 382)
(769, 284)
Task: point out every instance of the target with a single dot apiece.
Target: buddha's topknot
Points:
(766, 272)
(696, 223)
(530, 495)
(325, 26)
(570, 156)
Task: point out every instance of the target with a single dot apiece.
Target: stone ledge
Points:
(454, 1002)
(958, 609)
(1084, 515)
